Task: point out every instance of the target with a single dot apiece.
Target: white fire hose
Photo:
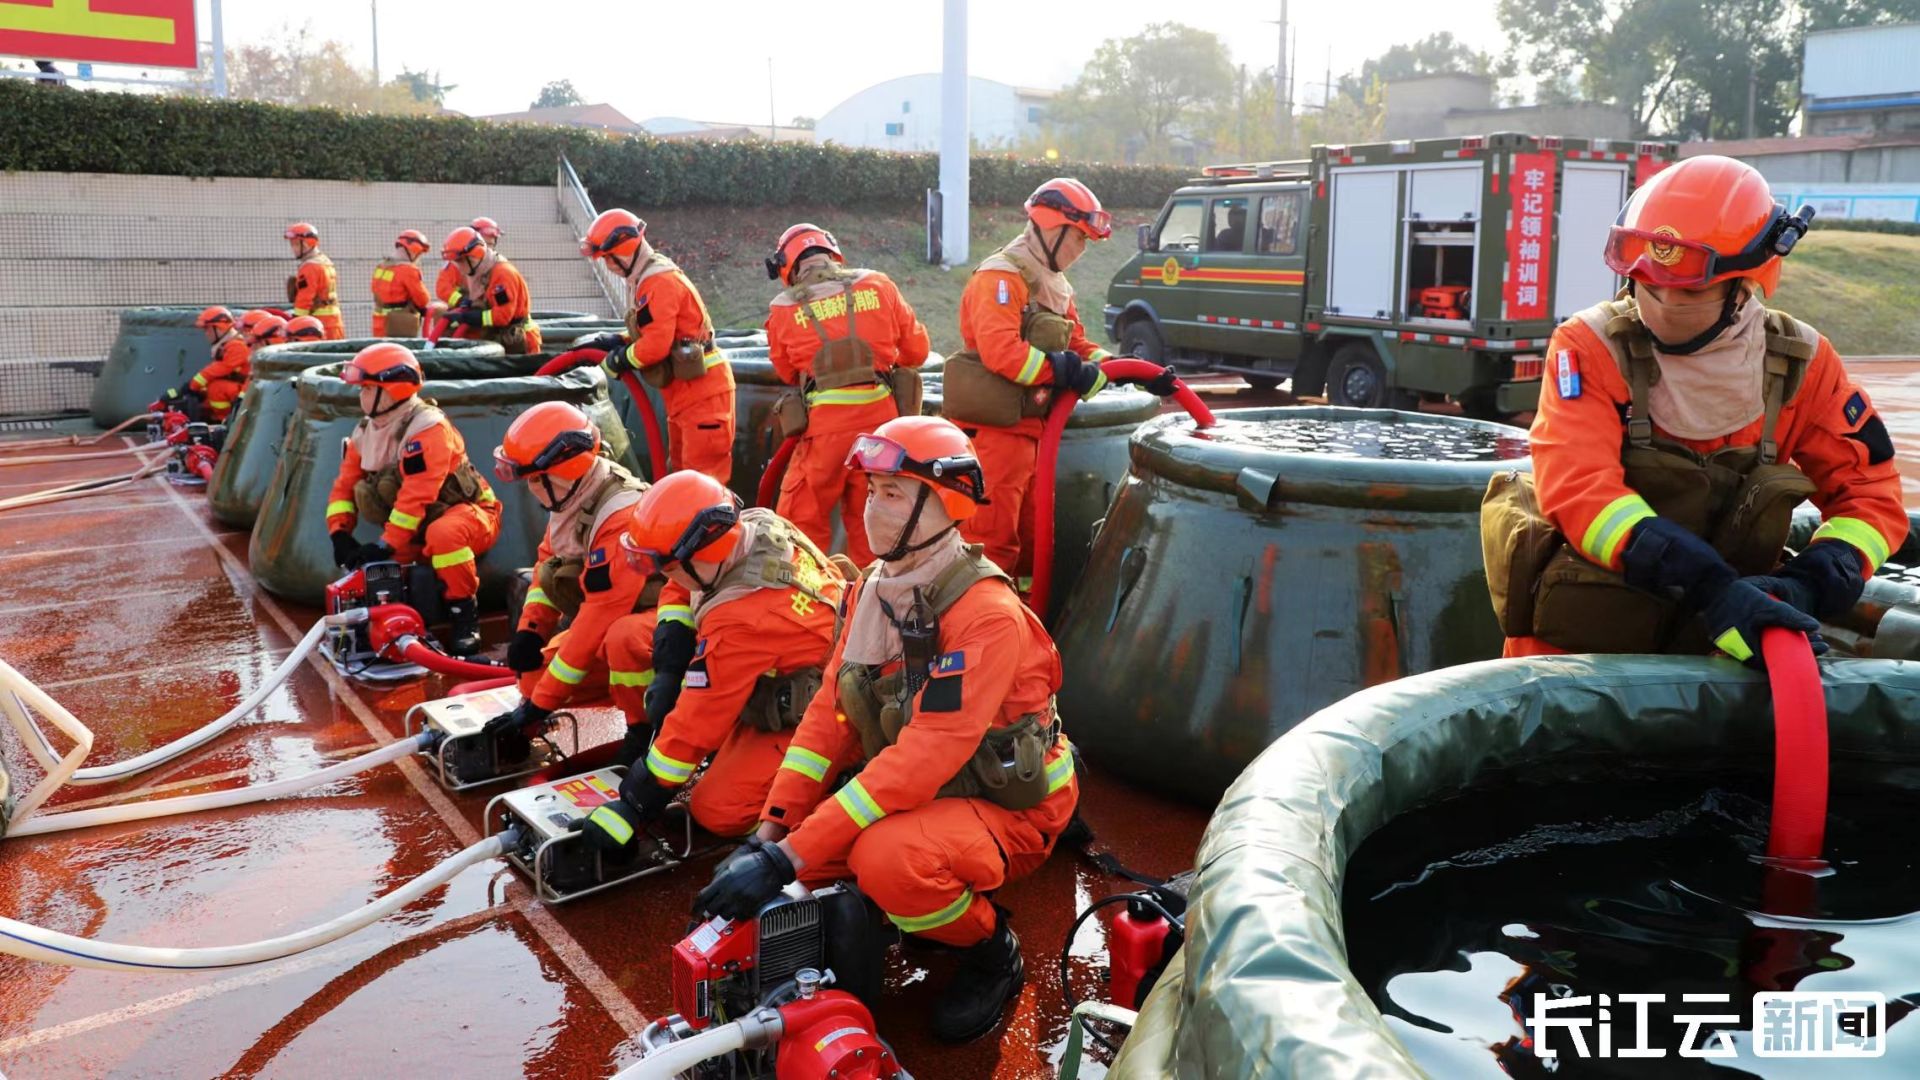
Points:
(759, 1028)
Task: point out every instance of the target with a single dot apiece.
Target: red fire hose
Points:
(419, 652)
(1798, 830)
(776, 470)
(1118, 370)
(656, 442)
(478, 685)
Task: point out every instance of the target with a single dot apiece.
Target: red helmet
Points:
(267, 329)
(1066, 201)
(1706, 219)
(795, 244)
(615, 234)
(553, 439)
(248, 321)
(303, 235)
(414, 241)
(460, 243)
(213, 317)
(687, 517)
(306, 328)
(931, 450)
(488, 229)
(389, 366)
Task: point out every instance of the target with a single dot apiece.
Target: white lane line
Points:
(152, 541)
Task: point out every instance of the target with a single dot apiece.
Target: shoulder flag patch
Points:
(1856, 408)
(1567, 373)
(597, 556)
(414, 447)
(1004, 296)
(952, 663)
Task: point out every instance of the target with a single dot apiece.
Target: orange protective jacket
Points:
(611, 587)
(883, 319)
(1008, 667)
(425, 460)
(316, 289)
(1826, 430)
(398, 284)
(232, 359)
(767, 631)
(990, 313)
(667, 308)
(507, 300)
(448, 287)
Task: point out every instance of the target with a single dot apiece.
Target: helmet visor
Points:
(1095, 223)
(878, 454)
(564, 447)
(1658, 258)
(614, 239)
(354, 375)
(707, 526)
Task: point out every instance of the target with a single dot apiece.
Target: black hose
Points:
(1066, 950)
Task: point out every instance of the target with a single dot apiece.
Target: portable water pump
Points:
(462, 755)
(194, 443)
(400, 601)
(557, 858)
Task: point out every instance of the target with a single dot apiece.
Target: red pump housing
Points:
(830, 1035)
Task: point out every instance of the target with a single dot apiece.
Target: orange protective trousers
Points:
(817, 479)
(700, 437)
(621, 668)
(221, 394)
(464, 532)
(1008, 457)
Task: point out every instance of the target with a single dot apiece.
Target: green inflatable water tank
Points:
(259, 424)
(1093, 462)
(156, 348)
(1252, 573)
(290, 553)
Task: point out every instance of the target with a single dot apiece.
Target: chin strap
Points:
(1729, 311)
(556, 502)
(901, 548)
(1053, 253)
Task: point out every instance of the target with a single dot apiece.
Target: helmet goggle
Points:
(355, 375)
(564, 447)
(707, 526)
(879, 454)
(476, 242)
(1664, 258)
(309, 333)
(1099, 221)
(619, 235)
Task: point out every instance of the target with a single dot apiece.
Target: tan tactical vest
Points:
(374, 494)
(687, 359)
(976, 394)
(840, 363)
(1739, 498)
(1008, 768)
(781, 557)
(402, 319)
(558, 576)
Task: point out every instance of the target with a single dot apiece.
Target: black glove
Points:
(605, 343)
(633, 744)
(662, 696)
(525, 719)
(344, 549)
(618, 361)
(613, 827)
(524, 651)
(673, 644)
(1824, 580)
(1163, 384)
(1742, 609)
(748, 879)
(187, 388)
(377, 551)
(466, 316)
(1661, 555)
(1072, 373)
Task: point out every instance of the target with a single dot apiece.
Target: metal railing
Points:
(576, 209)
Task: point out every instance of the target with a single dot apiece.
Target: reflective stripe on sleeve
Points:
(1611, 526)
(1858, 533)
(858, 804)
(806, 763)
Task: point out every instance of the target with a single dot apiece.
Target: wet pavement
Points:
(135, 611)
(1894, 386)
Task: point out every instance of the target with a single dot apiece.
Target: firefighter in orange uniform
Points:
(498, 308)
(406, 470)
(399, 294)
(215, 387)
(940, 689)
(451, 285)
(581, 579)
(842, 337)
(669, 342)
(261, 329)
(763, 599)
(1680, 425)
(1018, 319)
(314, 289)
(305, 328)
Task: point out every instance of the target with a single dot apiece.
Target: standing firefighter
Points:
(399, 294)
(314, 289)
(497, 306)
(940, 690)
(669, 342)
(1022, 337)
(406, 470)
(581, 579)
(762, 599)
(1662, 489)
(215, 387)
(850, 344)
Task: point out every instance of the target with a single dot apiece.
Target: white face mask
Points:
(1678, 323)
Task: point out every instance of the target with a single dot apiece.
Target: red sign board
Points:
(143, 33)
(1529, 238)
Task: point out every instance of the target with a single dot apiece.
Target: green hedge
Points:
(53, 129)
(1897, 228)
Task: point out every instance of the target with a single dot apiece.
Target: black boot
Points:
(989, 977)
(464, 630)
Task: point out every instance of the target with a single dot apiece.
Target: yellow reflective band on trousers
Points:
(916, 924)
(565, 672)
(403, 519)
(452, 558)
(341, 506)
(806, 763)
(1060, 772)
(630, 678)
(1733, 645)
(200, 381)
(850, 395)
(858, 804)
(535, 595)
(1858, 533)
(1611, 527)
(668, 770)
(680, 613)
(330, 309)
(713, 359)
(611, 823)
(1030, 371)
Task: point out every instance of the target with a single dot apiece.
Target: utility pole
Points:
(772, 123)
(219, 55)
(955, 212)
(1282, 90)
(1753, 82)
(376, 41)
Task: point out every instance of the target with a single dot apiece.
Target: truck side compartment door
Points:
(1175, 248)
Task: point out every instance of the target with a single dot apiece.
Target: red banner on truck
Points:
(143, 33)
(1529, 239)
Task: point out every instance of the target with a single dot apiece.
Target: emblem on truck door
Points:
(1170, 271)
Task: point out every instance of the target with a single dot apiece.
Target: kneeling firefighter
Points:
(1662, 491)
(581, 580)
(405, 469)
(762, 599)
(669, 343)
(214, 388)
(399, 293)
(940, 692)
(496, 305)
(850, 344)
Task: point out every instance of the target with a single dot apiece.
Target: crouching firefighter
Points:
(405, 469)
(1678, 427)
(851, 346)
(940, 693)
(581, 582)
(212, 391)
(762, 599)
(496, 305)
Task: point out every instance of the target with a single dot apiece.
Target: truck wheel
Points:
(1359, 379)
(1139, 337)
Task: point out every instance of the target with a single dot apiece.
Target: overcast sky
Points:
(708, 60)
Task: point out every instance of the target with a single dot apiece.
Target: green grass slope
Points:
(1860, 289)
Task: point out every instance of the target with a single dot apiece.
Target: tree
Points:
(294, 69)
(1435, 54)
(426, 88)
(1138, 93)
(557, 94)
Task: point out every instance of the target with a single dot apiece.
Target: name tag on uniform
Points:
(1567, 373)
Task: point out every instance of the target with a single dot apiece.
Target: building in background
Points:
(904, 114)
(1861, 81)
(1456, 104)
(602, 117)
(679, 127)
